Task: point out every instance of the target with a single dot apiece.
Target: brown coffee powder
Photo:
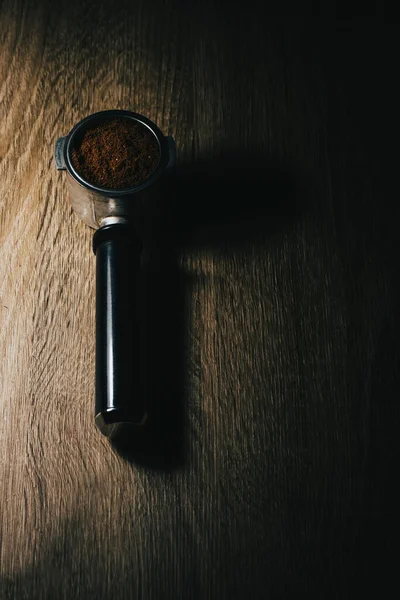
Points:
(116, 154)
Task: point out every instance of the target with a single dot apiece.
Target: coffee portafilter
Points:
(116, 215)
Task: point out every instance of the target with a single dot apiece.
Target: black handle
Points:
(119, 368)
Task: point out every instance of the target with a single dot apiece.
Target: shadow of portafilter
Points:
(232, 200)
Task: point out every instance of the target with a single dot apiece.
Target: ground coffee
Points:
(117, 154)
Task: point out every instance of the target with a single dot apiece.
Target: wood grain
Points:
(288, 258)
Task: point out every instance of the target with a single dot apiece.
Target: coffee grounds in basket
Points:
(116, 154)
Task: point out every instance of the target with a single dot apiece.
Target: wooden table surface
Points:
(274, 350)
